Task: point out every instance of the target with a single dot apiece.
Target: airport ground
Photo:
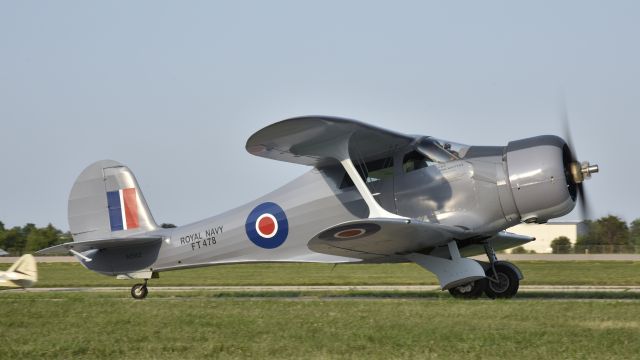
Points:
(566, 309)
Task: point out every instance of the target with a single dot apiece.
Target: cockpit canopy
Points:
(427, 151)
(430, 151)
(440, 151)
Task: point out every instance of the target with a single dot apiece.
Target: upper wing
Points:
(308, 140)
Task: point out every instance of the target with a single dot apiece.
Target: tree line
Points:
(26, 239)
(609, 234)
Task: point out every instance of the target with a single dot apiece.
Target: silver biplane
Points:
(371, 196)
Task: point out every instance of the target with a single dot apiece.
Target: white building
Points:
(545, 233)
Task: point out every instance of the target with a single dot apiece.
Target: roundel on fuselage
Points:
(267, 226)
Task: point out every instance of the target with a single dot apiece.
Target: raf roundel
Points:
(267, 226)
(350, 232)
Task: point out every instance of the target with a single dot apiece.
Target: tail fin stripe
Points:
(123, 206)
(130, 208)
(115, 210)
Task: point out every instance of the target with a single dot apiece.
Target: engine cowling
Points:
(539, 176)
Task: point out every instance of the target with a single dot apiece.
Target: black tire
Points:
(139, 291)
(507, 285)
(472, 290)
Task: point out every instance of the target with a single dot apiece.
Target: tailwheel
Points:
(472, 290)
(139, 291)
(503, 284)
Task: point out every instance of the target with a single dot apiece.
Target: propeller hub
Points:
(582, 171)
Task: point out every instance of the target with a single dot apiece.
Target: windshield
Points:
(440, 150)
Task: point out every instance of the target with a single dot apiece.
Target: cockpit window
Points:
(379, 170)
(371, 171)
(414, 161)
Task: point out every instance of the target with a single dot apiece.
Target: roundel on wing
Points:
(267, 226)
(350, 232)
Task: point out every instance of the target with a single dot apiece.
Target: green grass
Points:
(535, 272)
(328, 324)
(165, 326)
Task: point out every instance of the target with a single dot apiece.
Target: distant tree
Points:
(12, 241)
(561, 245)
(606, 235)
(42, 238)
(584, 242)
(519, 250)
(35, 241)
(2, 231)
(29, 227)
(29, 238)
(634, 234)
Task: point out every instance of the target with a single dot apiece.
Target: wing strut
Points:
(339, 150)
(375, 210)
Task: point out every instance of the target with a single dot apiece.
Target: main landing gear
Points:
(502, 280)
(139, 291)
(472, 290)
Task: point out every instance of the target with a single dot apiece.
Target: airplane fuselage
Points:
(462, 193)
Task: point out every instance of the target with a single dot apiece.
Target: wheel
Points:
(139, 291)
(507, 285)
(472, 290)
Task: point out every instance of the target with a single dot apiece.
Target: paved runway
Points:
(400, 288)
(507, 257)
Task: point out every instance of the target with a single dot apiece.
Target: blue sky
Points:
(174, 89)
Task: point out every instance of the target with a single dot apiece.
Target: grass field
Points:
(315, 325)
(111, 325)
(535, 272)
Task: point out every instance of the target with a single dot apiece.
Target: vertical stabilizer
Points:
(106, 202)
(25, 266)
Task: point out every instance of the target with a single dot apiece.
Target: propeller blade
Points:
(585, 211)
(580, 171)
(564, 118)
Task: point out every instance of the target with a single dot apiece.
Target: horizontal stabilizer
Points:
(80, 246)
(369, 238)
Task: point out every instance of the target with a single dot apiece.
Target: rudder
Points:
(26, 266)
(106, 202)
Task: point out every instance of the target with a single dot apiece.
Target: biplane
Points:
(371, 196)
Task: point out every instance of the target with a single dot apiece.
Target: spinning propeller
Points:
(577, 172)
